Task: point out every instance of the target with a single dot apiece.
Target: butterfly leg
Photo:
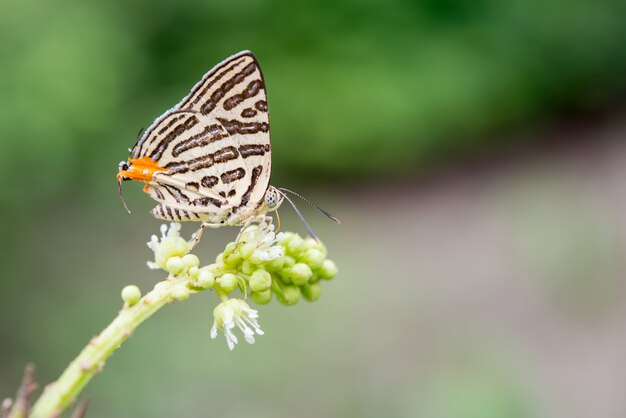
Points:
(248, 222)
(196, 237)
(198, 234)
(267, 223)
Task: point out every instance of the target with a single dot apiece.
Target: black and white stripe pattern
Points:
(215, 146)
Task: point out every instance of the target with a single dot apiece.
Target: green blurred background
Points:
(473, 150)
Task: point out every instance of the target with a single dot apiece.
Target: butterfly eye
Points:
(270, 199)
(123, 166)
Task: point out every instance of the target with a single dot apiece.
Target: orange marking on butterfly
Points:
(141, 169)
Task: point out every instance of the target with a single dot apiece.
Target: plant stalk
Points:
(59, 395)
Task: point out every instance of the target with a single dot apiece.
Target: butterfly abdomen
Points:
(172, 214)
(169, 213)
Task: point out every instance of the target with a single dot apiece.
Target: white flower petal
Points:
(231, 344)
(268, 238)
(231, 339)
(235, 314)
(254, 324)
(248, 334)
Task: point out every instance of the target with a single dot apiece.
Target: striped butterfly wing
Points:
(215, 146)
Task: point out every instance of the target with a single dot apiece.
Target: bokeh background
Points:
(474, 151)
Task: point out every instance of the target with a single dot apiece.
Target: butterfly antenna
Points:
(325, 212)
(306, 225)
(119, 188)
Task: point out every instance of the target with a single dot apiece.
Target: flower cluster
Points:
(260, 265)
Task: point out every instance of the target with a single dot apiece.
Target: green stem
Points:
(60, 394)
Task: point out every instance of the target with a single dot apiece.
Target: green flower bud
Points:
(328, 270)
(247, 268)
(257, 258)
(308, 244)
(232, 259)
(277, 263)
(294, 244)
(313, 257)
(131, 294)
(249, 233)
(299, 274)
(311, 292)
(227, 282)
(217, 269)
(193, 273)
(321, 248)
(282, 262)
(291, 295)
(247, 249)
(180, 293)
(232, 256)
(261, 298)
(190, 260)
(283, 278)
(286, 237)
(260, 280)
(230, 247)
(175, 265)
(205, 278)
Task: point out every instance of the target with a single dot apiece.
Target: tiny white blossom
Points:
(268, 254)
(267, 247)
(235, 312)
(171, 244)
(268, 238)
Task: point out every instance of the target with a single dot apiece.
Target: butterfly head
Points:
(141, 169)
(123, 168)
(273, 198)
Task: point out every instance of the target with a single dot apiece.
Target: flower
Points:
(235, 312)
(171, 247)
(261, 244)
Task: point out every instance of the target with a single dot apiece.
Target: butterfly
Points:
(208, 158)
